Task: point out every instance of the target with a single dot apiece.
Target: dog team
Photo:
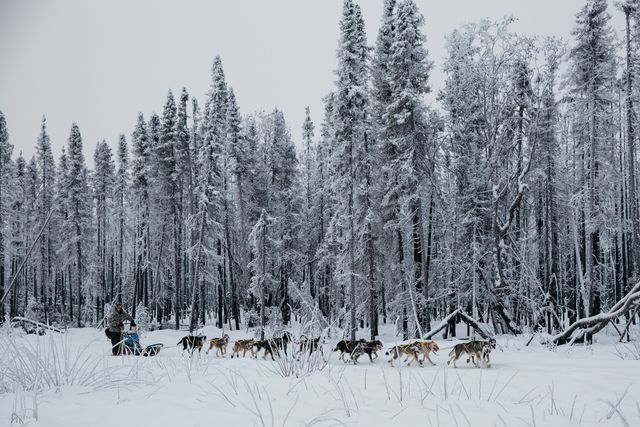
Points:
(477, 351)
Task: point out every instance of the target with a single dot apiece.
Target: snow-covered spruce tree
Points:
(405, 135)
(369, 220)
(307, 166)
(380, 96)
(184, 154)
(243, 152)
(46, 171)
(32, 181)
(251, 173)
(263, 251)
(103, 180)
(191, 180)
(122, 200)
(12, 192)
(64, 254)
(349, 126)
(235, 159)
(284, 200)
(324, 203)
(79, 211)
(160, 284)
(169, 201)
(195, 142)
(19, 205)
(380, 63)
(592, 72)
(140, 186)
(185, 186)
(6, 150)
(143, 318)
(209, 197)
(258, 132)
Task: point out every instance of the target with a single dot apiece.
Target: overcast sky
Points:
(99, 63)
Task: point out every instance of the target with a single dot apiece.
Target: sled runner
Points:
(131, 345)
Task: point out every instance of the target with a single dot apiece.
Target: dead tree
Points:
(586, 328)
(501, 228)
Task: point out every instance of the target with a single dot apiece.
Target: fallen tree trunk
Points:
(589, 326)
(475, 325)
(629, 320)
(441, 325)
(465, 318)
(23, 320)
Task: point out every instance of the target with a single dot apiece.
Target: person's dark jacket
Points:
(116, 320)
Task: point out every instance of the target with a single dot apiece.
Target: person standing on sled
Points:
(116, 325)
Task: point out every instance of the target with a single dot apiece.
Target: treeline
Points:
(513, 198)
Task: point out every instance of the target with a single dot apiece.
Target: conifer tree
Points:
(17, 232)
(46, 170)
(141, 193)
(407, 130)
(209, 191)
(5, 157)
(65, 250)
(235, 164)
(592, 70)
(283, 205)
(349, 120)
(121, 199)
(308, 159)
(168, 154)
(79, 211)
(103, 181)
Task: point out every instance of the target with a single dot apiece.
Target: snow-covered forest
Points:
(512, 196)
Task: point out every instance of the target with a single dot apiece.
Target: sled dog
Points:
(410, 350)
(191, 342)
(478, 351)
(347, 347)
(369, 348)
(426, 347)
(244, 346)
(220, 344)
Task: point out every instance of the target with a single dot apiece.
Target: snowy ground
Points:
(82, 385)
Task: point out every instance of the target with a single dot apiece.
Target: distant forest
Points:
(512, 198)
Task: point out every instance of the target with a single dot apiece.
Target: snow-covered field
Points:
(80, 384)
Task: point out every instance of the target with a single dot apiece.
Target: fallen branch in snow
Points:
(530, 339)
(626, 328)
(441, 325)
(35, 323)
(589, 326)
(466, 318)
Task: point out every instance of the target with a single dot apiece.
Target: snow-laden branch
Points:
(465, 317)
(515, 203)
(589, 326)
(19, 319)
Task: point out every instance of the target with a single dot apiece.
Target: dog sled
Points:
(131, 345)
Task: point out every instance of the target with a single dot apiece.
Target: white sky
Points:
(99, 63)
